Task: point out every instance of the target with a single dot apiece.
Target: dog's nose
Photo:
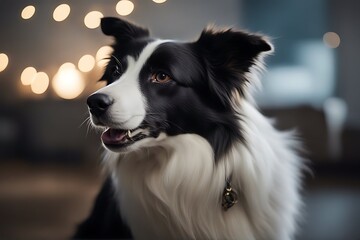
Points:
(98, 103)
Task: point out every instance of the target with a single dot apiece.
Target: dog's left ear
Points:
(122, 30)
(229, 55)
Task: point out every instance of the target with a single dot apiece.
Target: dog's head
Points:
(158, 88)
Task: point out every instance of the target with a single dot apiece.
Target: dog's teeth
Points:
(129, 133)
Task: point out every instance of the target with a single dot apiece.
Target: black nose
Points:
(98, 103)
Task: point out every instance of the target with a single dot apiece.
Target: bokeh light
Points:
(159, 1)
(67, 65)
(28, 75)
(331, 39)
(103, 55)
(40, 83)
(61, 12)
(124, 7)
(68, 83)
(4, 61)
(92, 19)
(28, 12)
(86, 63)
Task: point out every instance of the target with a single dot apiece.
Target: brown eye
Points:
(160, 77)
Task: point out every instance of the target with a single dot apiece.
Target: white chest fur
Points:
(173, 190)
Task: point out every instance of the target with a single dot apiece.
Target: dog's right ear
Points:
(121, 29)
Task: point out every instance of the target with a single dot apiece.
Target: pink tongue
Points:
(113, 136)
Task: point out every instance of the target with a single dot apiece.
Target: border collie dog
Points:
(189, 154)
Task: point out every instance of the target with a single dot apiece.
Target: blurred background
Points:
(51, 56)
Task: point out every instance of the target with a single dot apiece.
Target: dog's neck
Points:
(175, 183)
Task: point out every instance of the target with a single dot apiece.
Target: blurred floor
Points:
(332, 202)
(44, 202)
(47, 202)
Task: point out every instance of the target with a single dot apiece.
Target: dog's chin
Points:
(120, 140)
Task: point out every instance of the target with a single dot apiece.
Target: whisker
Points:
(88, 127)
(86, 120)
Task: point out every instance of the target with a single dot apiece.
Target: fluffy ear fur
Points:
(121, 29)
(229, 55)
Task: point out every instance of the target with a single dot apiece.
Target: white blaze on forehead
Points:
(135, 67)
(129, 107)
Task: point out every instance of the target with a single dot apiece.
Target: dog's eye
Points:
(160, 77)
(115, 71)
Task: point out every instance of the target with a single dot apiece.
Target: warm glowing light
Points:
(103, 55)
(92, 19)
(331, 39)
(86, 63)
(68, 83)
(28, 75)
(61, 12)
(40, 83)
(124, 7)
(28, 12)
(4, 61)
(159, 1)
(67, 65)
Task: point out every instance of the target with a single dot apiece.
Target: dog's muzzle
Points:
(113, 137)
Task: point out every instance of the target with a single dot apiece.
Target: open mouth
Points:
(119, 138)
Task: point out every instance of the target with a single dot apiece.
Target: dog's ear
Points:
(121, 29)
(233, 46)
(230, 55)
